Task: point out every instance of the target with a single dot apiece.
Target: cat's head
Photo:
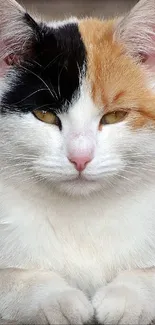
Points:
(77, 99)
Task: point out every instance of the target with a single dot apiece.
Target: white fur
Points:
(60, 23)
(45, 298)
(69, 245)
(125, 300)
(86, 230)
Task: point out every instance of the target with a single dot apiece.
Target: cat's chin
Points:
(79, 187)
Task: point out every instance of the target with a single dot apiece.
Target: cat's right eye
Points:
(47, 117)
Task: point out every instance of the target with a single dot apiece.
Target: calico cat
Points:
(77, 168)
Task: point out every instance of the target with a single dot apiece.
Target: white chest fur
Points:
(85, 240)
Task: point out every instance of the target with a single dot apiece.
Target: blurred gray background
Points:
(59, 9)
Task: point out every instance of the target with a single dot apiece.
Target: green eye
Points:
(113, 117)
(47, 117)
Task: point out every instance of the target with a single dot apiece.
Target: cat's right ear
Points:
(17, 33)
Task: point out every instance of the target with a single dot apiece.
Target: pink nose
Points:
(80, 162)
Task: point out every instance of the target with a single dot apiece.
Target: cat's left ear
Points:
(137, 32)
(18, 31)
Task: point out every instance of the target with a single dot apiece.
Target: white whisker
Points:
(46, 85)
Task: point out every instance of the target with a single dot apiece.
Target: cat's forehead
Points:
(87, 50)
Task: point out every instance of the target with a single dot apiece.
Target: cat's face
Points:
(77, 110)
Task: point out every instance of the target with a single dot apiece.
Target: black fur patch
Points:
(50, 78)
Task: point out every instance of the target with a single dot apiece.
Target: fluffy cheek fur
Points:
(31, 149)
(36, 145)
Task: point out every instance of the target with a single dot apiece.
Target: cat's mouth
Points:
(81, 178)
(80, 185)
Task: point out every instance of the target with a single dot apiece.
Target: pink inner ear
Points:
(149, 58)
(4, 66)
(150, 62)
(12, 59)
(8, 60)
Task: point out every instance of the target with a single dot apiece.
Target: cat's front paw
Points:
(124, 302)
(42, 298)
(67, 307)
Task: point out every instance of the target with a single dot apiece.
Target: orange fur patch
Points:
(117, 81)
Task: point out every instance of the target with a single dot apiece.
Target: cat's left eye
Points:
(113, 117)
(47, 117)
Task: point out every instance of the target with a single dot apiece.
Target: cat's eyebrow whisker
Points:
(42, 106)
(39, 107)
(54, 92)
(53, 60)
(37, 76)
(30, 95)
(59, 75)
(34, 61)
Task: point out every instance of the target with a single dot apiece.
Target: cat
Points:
(77, 168)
